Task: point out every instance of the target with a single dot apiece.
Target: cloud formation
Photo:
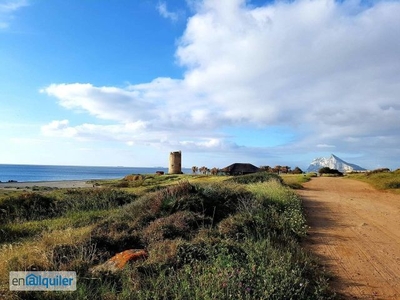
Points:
(7, 9)
(165, 13)
(329, 70)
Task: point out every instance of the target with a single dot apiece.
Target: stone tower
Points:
(175, 163)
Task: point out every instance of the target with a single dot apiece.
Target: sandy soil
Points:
(53, 184)
(355, 231)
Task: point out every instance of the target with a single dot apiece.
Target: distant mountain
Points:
(333, 162)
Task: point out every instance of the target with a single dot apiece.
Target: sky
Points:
(123, 83)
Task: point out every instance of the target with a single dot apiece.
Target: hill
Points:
(199, 237)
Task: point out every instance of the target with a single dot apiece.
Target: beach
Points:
(52, 184)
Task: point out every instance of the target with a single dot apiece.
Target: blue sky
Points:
(126, 82)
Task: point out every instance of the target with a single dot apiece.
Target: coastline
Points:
(53, 184)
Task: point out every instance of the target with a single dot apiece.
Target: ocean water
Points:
(25, 173)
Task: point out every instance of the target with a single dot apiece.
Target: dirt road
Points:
(355, 231)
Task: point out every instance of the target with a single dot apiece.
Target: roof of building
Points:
(240, 168)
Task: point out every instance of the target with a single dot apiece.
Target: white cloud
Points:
(164, 12)
(329, 70)
(58, 129)
(7, 10)
(118, 132)
(325, 146)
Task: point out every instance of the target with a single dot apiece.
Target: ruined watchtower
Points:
(175, 163)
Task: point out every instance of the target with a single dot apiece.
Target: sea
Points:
(32, 173)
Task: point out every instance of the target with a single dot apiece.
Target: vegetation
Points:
(295, 181)
(35, 206)
(381, 179)
(329, 172)
(209, 238)
(255, 178)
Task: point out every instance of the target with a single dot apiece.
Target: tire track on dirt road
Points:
(355, 231)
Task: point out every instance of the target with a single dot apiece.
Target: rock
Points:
(118, 261)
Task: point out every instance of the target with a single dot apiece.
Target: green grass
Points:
(255, 177)
(295, 181)
(16, 232)
(33, 206)
(380, 180)
(5, 193)
(207, 238)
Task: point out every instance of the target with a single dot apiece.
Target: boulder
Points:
(118, 261)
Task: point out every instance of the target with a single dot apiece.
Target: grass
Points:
(255, 177)
(207, 238)
(380, 180)
(148, 183)
(30, 206)
(15, 232)
(36, 254)
(295, 181)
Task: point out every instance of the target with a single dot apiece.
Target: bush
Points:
(327, 170)
(255, 178)
(113, 236)
(180, 224)
(376, 171)
(36, 206)
(392, 185)
(94, 199)
(215, 201)
(26, 207)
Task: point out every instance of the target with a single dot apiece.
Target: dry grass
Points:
(179, 224)
(164, 252)
(380, 180)
(36, 253)
(295, 181)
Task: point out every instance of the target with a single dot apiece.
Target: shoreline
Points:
(53, 184)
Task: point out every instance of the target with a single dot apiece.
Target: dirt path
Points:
(355, 230)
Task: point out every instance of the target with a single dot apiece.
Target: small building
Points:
(240, 169)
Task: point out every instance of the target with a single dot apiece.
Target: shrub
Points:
(236, 226)
(327, 170)
(236, 271)
(113, 236)
(36, 206)
(376, 171)
(220, 200)
(156, 204)
(26, 207)
(255, 178)
(215, 201)
(180, 224)
(164, 252)
(297, 170)
(392, 185)
(94, 199)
